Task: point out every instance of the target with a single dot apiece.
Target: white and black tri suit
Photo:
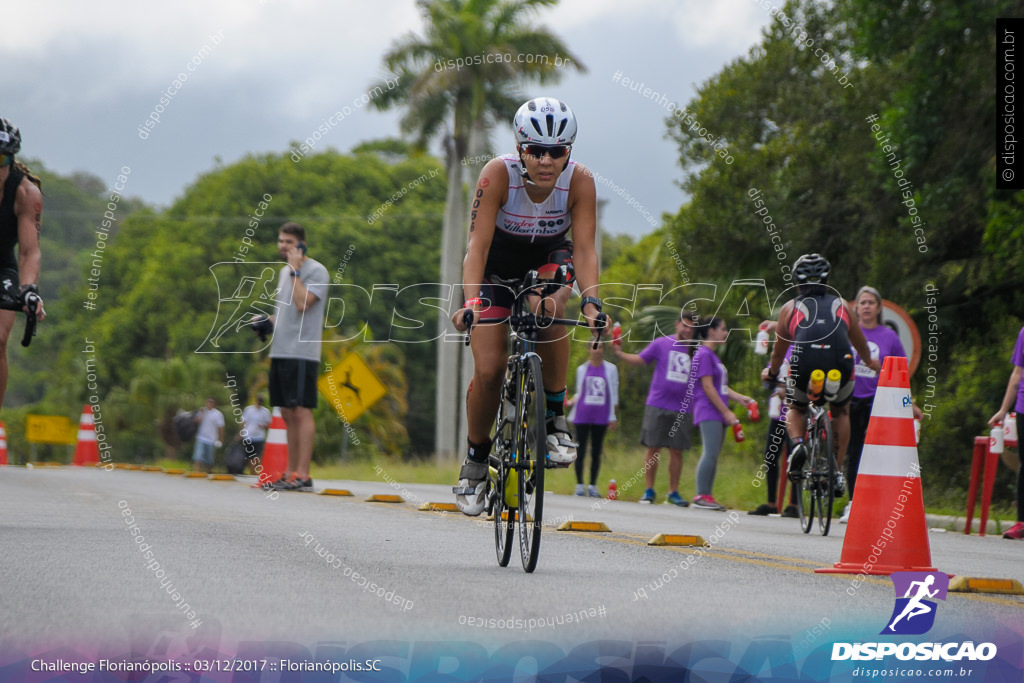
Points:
(527, 235)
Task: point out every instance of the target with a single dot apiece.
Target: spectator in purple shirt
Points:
(711, 412)
(1015, 397)
(668, 417)
(593, 412)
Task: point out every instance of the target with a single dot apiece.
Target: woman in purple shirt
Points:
(593, 412)
(882, 341)
(711, 412)
(1015, 397)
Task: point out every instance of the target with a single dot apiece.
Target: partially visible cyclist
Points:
(21, 209)
(824, 332)
(525, 207)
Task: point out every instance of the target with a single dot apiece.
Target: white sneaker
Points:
(581, 490)
(846, 513)
(471, 492)
(561, 447)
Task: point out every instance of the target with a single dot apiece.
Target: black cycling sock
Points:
(555, 403)
(794, 441)
(478, 452)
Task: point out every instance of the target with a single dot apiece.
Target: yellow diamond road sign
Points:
(351, 387)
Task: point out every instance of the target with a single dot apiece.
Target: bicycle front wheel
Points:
(531, 451)
(502, 476)
(504, 516)
(825, 467)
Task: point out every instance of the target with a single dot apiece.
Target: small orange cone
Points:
(887, 531)
(3, 444)
(275, 450)
(87, 451)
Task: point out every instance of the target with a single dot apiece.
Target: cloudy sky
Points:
(80, 79)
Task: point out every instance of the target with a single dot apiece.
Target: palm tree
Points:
(465, 70)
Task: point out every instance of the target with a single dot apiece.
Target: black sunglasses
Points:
(538, 151)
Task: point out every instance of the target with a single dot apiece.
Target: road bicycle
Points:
(817, 485)
(12, 302)
(815, 488)
(518, 459)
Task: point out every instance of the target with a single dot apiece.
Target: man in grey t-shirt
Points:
(295, 351)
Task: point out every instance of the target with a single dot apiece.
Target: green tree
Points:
(803, 146)
(158, 300)
(466, 70)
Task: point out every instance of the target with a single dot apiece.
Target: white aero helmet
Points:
(545, 121)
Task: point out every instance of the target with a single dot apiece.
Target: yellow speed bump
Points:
(133, 467)
(335, 492)
(152, 468)
(195, 475)
(677, 539)
(583, 526)
(222, 477)
(504, 517)
(439, 507)
(174, 471)
(973, 584)
(385, 498)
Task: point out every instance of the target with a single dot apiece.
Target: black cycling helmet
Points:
(10, 137)
(811, 268)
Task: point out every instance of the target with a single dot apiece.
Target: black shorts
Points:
(293, 382)
(806, 360)
(513, 263)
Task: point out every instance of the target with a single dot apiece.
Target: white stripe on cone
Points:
(889, 461)
(892, 402)
(277, 434)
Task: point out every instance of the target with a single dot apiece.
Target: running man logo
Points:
(913, 614)
(244, 291)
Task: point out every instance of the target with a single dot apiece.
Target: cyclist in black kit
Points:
(21, 209)
(822, 328)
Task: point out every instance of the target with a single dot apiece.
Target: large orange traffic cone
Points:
(87, 451)
(275, 450)
(3, 444)
(887, 531)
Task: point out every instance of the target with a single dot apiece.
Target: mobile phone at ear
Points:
(302, 248)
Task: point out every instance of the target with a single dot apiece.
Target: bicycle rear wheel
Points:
(807, 484)
(807, 494)
(825, 466)
(531, 450)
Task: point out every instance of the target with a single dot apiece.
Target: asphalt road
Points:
(306, 572)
